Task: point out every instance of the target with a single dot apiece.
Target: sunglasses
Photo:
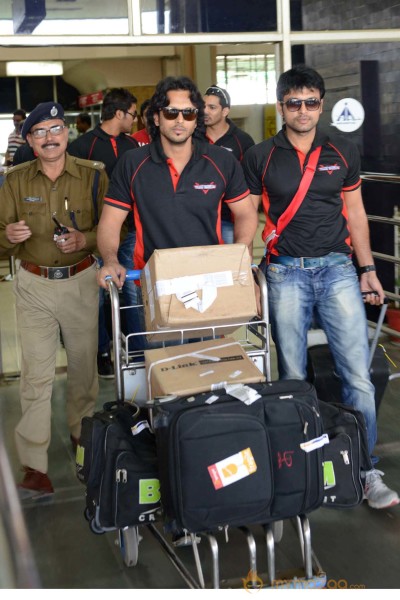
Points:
(189, 114)
(133, 115)
(41, 132)
(294, 104)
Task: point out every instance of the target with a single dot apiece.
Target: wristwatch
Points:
(367, 269)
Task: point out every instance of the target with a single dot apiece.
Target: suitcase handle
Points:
(109, 406)
(363, 294)
(378, 329)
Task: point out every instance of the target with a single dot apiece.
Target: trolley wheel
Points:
(94, 528)
(87, 514)
(277, 531)
(129, 544)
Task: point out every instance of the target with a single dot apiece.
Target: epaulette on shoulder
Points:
(91, 164)
(21, 167)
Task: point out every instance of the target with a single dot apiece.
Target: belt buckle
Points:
(58, 272)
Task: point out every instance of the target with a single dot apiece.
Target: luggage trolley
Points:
(130, 386)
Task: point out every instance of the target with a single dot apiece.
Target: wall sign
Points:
(347, 115)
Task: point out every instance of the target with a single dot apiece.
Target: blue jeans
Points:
(334, 294)
(227, 231)
(129, 294)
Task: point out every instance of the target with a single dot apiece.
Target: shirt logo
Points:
(205, 187)
(329, 168)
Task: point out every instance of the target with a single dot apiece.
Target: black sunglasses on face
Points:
(189, 114)
(294, 104)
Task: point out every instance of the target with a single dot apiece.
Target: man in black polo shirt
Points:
(221, 131)
(107, 142)
(175, 185)
(308, 263)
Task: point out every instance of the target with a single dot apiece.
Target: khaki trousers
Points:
(44, 307)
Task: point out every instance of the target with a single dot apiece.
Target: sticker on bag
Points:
(232, 469)
(318, 442)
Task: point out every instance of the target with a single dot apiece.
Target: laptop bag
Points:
(345, 457)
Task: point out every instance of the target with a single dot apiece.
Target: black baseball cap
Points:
(45, 111)
(222, 94)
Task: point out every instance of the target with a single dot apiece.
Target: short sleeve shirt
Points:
(173, 210)
(274, 169)
(29, 195)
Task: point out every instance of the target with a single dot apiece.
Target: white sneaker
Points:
(377, 493)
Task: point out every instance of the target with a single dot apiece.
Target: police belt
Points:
(311, 262)
(58, 272)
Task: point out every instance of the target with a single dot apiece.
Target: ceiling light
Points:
(29, 68)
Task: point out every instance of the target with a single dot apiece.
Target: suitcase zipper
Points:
(345, 457)
(121, 476)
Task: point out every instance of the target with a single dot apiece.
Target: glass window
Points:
(249, 79)
(207, 16)
(52, 17)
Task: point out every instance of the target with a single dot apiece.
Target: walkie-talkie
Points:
(59, 229)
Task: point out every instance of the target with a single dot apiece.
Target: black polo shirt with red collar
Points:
(235, 140)
(274, 169)
(99, 145)
(172, 210)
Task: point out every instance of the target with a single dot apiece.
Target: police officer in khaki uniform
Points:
(55, 286)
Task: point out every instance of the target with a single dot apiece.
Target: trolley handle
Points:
(116, 331)
(130, 275)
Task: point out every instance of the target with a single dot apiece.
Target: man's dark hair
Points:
(159, 100)
(144, 106)
(116, 99)
(20, 112)
(297, 78)
(85, 118)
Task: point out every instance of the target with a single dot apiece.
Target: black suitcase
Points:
(205, 445)
(116, 459)
(321, 369)
(345, 457)
(321, 373)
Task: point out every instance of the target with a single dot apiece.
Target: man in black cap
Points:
(220, 130)
(55, 286)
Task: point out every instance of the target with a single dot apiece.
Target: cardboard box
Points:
(198, 286)
(198, 367)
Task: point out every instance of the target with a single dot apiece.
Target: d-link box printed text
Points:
(198, 286)
(199, 367)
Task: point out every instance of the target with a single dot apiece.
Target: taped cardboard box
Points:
(198, 286)
(198, 367)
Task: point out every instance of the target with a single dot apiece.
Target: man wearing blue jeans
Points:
(308, 264)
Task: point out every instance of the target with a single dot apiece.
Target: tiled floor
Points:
(356, 548)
